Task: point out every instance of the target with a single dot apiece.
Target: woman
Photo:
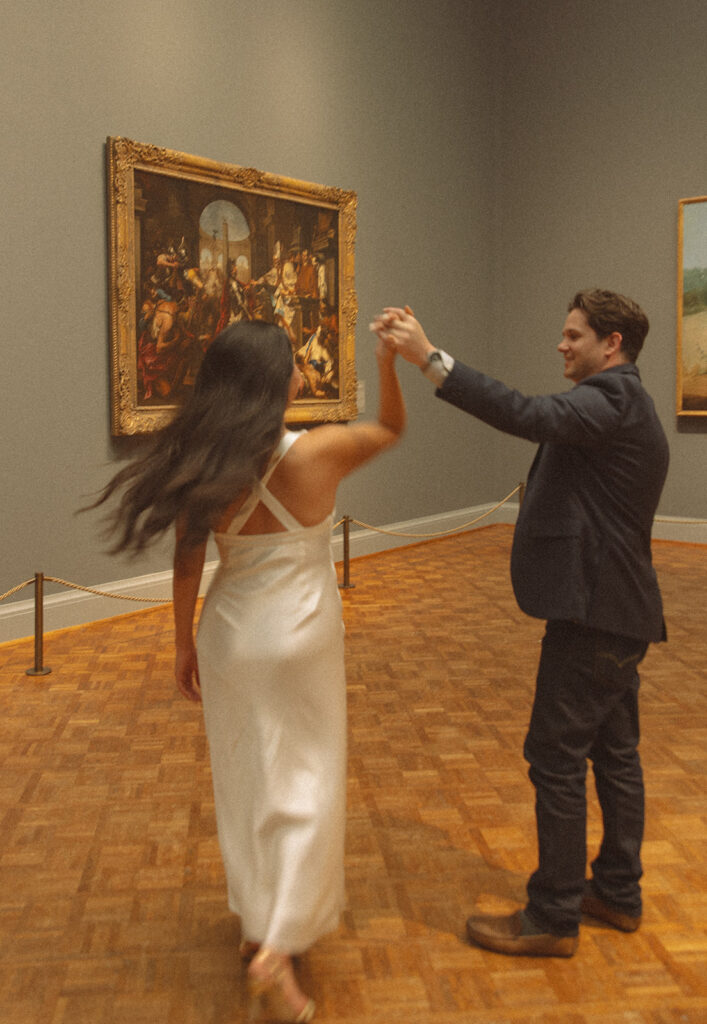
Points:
(269, 661)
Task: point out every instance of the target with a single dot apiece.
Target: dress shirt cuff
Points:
(439, 367)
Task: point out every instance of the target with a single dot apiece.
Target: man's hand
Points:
(402, 333)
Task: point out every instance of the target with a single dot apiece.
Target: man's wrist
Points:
(438, 366)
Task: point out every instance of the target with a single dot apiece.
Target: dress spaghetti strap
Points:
(260, 493)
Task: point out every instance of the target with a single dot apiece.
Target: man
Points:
(581, 559)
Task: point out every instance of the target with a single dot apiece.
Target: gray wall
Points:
(504, 154)
(602, 128)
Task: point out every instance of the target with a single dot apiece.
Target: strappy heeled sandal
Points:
(270, 975)
(247, 949)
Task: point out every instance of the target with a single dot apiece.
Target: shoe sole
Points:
(527, 945)
(594, 907)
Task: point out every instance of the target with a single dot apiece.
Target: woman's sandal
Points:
(247, 949)
(274, 992)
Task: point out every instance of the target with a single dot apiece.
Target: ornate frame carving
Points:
(692, 307)
(284, 250)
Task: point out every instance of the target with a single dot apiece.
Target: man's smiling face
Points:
(585, 353)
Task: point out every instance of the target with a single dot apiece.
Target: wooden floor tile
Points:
(112, 897)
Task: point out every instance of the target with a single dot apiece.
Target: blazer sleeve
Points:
(583, 415)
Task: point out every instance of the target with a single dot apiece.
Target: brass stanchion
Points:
(347, 584)
(39, 669)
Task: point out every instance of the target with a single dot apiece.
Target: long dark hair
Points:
(216, 446)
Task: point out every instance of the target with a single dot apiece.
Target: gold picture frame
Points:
(195, 244)
(692, 307)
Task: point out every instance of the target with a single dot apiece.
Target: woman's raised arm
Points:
(345, 448)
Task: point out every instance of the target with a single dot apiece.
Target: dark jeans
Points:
(586, 706)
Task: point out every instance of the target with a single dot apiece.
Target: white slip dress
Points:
(270, 650)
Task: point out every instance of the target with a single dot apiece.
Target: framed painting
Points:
(195, 245)
(692, 307)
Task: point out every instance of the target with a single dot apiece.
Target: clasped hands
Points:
(399, 331)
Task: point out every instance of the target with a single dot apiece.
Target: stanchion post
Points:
(347, 584)
(39, 669)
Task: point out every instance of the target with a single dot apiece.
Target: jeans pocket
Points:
(616, 659)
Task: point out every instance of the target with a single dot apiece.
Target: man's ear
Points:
(613, 343)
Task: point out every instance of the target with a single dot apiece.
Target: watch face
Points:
(434, 357)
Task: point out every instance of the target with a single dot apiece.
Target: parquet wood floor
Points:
(112, 903)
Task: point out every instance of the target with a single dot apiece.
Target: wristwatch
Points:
(438, 366)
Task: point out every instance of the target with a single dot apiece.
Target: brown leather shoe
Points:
(595, 906)
(512, 934)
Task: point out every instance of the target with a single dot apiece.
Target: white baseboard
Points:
(688, 531)
(365, 541)
(76, 608)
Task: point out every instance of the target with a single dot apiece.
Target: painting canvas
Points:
(692, 308)
(196, 245)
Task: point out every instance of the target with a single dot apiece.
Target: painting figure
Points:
(307, 276)
(238, 296)
(316, 363)
(285, 305)
(167, 348)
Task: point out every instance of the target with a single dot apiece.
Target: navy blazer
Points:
(582, 541)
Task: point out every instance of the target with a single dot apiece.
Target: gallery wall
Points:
(344, 94)
(503, 154)
(601, 131)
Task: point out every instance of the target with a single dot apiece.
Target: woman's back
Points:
(306, 478)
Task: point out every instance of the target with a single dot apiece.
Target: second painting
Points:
(692, 308)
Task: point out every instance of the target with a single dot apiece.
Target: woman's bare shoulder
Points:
(339, 448)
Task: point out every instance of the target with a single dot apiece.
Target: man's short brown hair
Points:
(607, 312)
